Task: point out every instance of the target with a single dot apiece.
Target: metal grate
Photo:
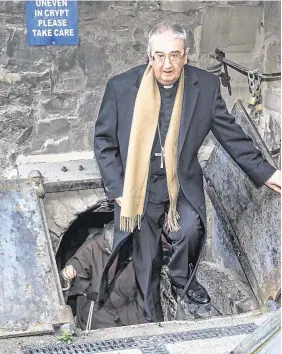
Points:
(209, 333)
(153, 349)
(146, 344)
(85, 348)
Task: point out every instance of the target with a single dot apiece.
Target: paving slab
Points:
(214, 345)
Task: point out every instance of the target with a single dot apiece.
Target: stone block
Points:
(8, 77)
(20, 93)
(252, 216)
(41, 133)
(55, 146)
(66, 58)
(24, 57)
(145, 5)
(89, 105)
(35, 78)
(91, 199)
(180, 6)
(71, 83)
(52, 134)
(272, 17)
(228, 295)
(59, 126)
(52, 128)
(273, 63)
(239, 92)
(24, 135)
(272, 101)
(94, 6)
(231, 29)
(191, 43)
(55, 230)
(12, 7)
(140, 34)
(222, 249)
(60, 103)
(14, 120)
(82, 138)
(63, 208)
(94, 62)
(58, 215)
(272, 130)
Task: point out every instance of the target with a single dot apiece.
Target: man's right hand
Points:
(119, 201)
(68, 273)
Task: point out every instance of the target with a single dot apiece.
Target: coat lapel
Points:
(189, 101)
(133, 93)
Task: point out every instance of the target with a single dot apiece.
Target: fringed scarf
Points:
(142, 134)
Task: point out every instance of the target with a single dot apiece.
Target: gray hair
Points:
(167, 26)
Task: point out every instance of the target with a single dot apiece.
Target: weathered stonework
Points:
(50, 96)
(228, 294)
(232, 29)
(271, 125)
(63, 208)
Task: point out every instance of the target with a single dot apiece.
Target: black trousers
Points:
(147, 252)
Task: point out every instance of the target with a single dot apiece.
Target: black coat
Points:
(203, 110)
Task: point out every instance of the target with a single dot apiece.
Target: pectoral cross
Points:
(162, 155)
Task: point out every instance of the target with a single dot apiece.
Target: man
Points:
(124, 306)
(152, 122)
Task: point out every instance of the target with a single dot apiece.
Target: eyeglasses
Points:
(173, 57)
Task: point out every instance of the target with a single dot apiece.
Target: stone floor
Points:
(218, 335)
(181, 309)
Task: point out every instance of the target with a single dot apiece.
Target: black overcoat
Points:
(203, 110)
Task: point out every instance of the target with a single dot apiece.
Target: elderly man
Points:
(152, 122)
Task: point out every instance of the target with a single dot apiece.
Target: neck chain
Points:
(160, 139)
(162, 153)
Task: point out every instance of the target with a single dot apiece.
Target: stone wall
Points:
(50, 96)
(270, 126)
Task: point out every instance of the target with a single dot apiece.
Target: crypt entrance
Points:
(240, 267)
(51, 204)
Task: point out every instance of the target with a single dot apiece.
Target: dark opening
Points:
(74, 238)
(78, 232)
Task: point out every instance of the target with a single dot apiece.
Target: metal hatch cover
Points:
(251, 217)
(31, 298)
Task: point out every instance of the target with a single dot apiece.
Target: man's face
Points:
(167, 58)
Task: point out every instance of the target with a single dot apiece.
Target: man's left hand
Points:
(274, 182)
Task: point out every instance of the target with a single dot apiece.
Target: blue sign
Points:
(52, 22)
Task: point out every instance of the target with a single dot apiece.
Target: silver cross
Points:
(162, 155)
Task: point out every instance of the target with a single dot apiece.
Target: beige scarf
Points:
(143, 129)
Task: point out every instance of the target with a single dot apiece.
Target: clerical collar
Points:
(167, 87)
